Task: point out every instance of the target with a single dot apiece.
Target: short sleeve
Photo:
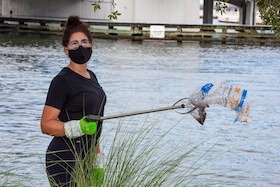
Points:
(93, 75)
(58, 93)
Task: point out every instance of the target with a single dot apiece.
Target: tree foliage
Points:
(270, 13)
(221, 6)
(113, 15)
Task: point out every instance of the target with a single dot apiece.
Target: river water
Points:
(142, 76)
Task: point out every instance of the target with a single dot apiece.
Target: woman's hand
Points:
(78, 128)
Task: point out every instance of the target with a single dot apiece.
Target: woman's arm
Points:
(71, 129)
(49, 123)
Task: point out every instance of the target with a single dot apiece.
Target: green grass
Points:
(134, 156)
(138, 158)
(10, 177)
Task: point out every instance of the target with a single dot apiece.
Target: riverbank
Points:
(227, 34)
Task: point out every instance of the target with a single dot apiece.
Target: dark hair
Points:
(74, 25)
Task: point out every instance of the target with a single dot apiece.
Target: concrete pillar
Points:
(255, 12)
(251, 13)
(242, 15)
(208, 12)
(247, 13)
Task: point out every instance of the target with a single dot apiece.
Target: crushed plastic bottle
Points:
(230, 96)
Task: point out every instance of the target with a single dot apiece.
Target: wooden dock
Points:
(228, 34)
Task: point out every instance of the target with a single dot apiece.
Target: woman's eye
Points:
(85, 42)
(75, 43)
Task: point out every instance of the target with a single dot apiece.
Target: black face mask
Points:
(80, 55)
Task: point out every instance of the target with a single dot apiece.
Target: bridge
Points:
(187, 11)
(247, 11)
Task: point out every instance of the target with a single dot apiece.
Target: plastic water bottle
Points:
(230, 96)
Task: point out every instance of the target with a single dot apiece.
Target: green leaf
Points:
(96, 6)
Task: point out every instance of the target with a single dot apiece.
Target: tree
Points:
(270, 13)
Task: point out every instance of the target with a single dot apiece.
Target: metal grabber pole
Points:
(100, 118)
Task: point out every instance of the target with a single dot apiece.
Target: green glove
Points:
(88, 127)
(98, 176)
(98, 170)
(78, 128)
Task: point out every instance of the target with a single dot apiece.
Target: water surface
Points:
(143, 76)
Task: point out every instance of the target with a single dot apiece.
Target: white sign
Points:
(157, 31)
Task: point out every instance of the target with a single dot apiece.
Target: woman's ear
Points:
(66, 51)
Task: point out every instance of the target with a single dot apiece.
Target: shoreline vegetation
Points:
(136, 157)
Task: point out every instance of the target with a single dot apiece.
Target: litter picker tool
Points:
(229, 96)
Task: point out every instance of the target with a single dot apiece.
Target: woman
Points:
(73, 94)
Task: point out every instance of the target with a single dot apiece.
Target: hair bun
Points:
(72, 26)
(73, 21)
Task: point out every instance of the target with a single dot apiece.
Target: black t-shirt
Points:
(76, 96)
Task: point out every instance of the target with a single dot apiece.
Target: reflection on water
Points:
(142, 76)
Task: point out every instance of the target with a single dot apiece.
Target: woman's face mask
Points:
(80, 55)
